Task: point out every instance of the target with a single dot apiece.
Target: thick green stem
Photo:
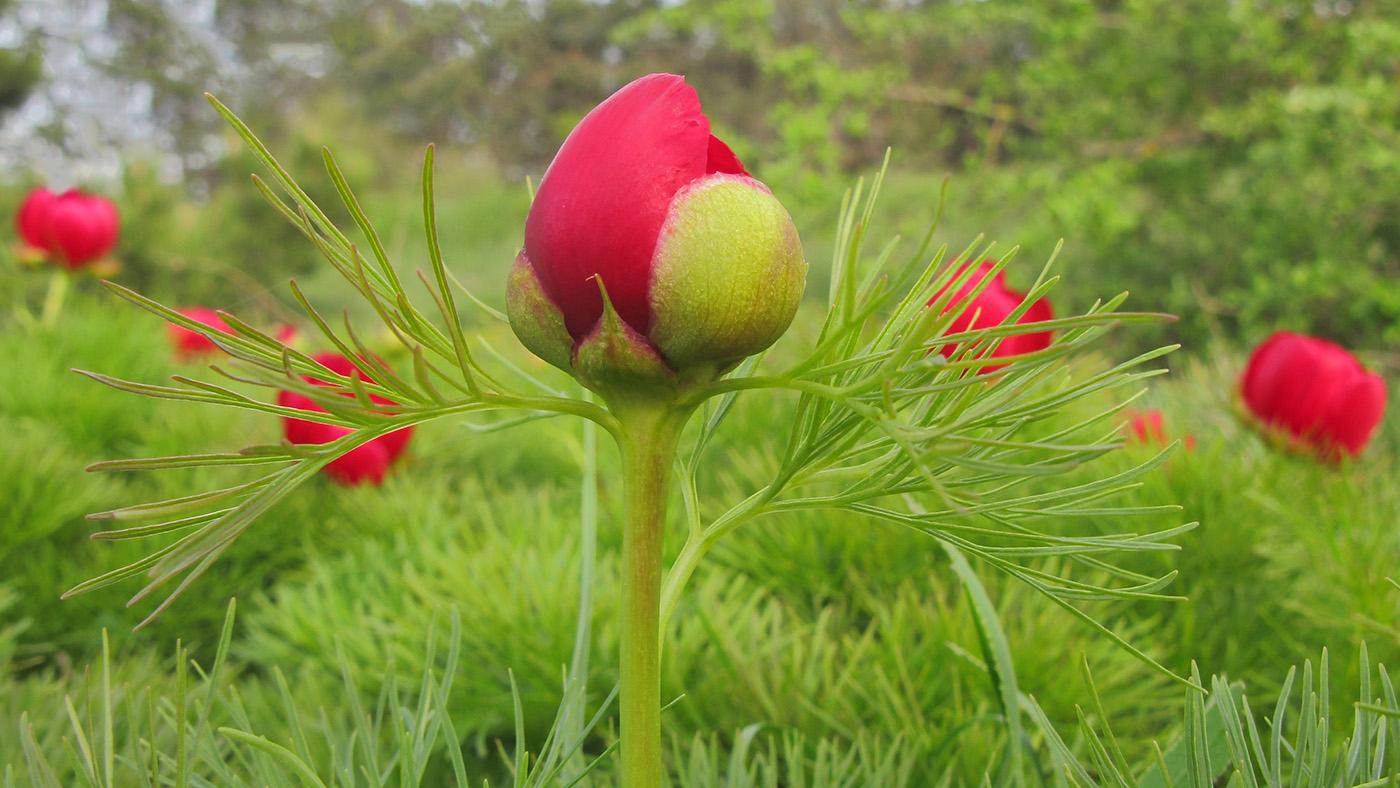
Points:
(648, 444)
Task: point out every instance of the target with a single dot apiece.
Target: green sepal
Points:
(615, 360)
(535, 318)
(727, 275)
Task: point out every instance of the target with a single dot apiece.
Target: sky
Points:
(79, 123)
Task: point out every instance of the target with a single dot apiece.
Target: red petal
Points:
(993, 306)
(188, 342)
(1264, 386)
(395, 442)
(601, 203)
(365, 463)
(32, 218)
(311, 433)
(1146, 426)
(1039, 312)
(80, 228)
(362, 465)
(291, 399)
(338, 364)
(1317, 375)
(721, 159)
(1314, 389)
(1355, 412)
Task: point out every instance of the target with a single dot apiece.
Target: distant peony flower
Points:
(1314, 393)
(991, 308)
(190, 344)
(73, 228)
(364, 464)
(1145, 426)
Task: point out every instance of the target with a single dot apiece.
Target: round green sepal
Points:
(727, 274)
(534, 318)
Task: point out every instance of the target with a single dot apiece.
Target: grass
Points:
(813, 649)
(833, 636)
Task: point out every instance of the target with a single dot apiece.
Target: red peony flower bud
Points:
(701, 264)
(73, 228)
(1145, 426)
(32, 218)
(991, 308)
(1314, 392)
(365, 463)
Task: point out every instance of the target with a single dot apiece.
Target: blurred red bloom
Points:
(991, 308)
(1145, 426)
(74, 228)
(366, 463)
(1314, 392)
(189, 343)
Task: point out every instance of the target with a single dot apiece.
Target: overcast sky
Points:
(97, 119)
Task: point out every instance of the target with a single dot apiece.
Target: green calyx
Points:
(619, 363)
(537, 322)
(727, 275)
(612, 360)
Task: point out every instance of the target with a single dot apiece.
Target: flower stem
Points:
(648, 444)
(53, 300)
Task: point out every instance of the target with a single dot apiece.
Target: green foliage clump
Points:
(54, 427)
(1237, 161)
(137, 721)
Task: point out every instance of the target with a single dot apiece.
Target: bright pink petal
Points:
(1146, 426)
(291, 399)
(992, 307)
(603, 200)
(1320, 371)
(1355, 412)
(338, 364)
(721, 159)
(32, 218)
(191, 343)
(310, 433)
(1265, 386)
(365, 463)
(396, 441)
(80, 228)
(1315, 390)
(1040, 311)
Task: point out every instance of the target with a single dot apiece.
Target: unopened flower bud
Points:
(651, 255)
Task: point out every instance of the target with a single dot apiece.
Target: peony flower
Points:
(73, 228)
(991, 308)
(1314, 393)
(1145, 426)
(701, 264)
(189, 343)
(365, 463)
